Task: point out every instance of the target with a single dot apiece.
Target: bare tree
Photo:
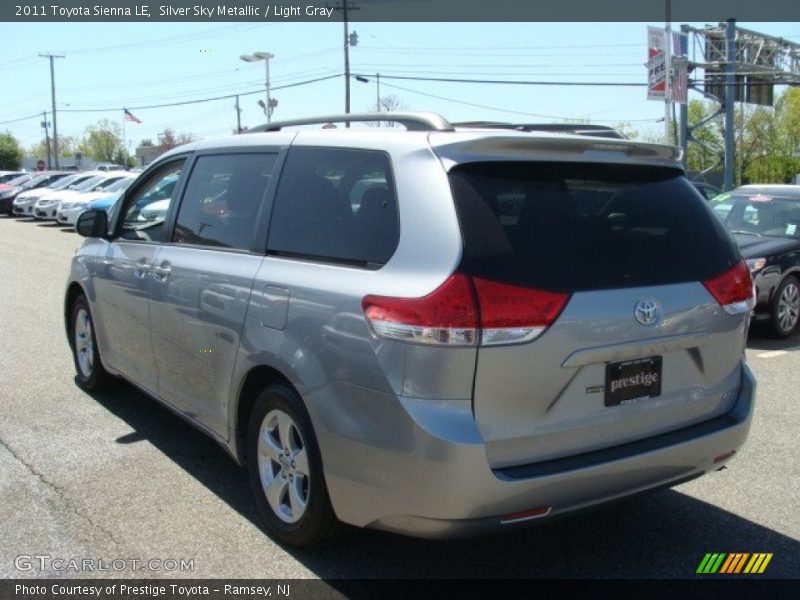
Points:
(388, 104)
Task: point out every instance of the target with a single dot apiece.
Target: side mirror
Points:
(92, 223)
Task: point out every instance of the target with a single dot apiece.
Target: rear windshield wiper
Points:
(747, 233)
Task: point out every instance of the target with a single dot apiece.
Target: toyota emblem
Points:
(646, 311)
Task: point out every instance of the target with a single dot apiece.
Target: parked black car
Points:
(765, 220)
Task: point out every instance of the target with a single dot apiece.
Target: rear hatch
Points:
(645, 300)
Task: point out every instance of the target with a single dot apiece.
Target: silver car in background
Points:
(436, 332)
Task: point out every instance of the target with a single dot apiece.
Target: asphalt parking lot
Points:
(116, 476)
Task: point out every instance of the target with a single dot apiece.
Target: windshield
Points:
(19, 180)
(36, 181)
(106, 184)
(762, 214)
(121, 185)
(64, 183)
(89, 184)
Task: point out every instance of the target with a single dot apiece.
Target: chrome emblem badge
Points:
(646, 311)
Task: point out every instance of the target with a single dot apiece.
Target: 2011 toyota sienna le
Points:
(435, 331)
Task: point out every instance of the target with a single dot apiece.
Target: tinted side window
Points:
(336, 204)
(145, 211)
(222, 199)
(572, 227)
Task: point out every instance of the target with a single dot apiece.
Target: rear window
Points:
(574, 227)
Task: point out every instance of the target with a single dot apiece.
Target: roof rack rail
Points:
(412, 121)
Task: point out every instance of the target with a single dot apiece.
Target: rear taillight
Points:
(511, 314)
(733, 289)
(466, 311)
(448, 315)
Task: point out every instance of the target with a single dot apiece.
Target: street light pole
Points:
(269, 100)
(266, 57)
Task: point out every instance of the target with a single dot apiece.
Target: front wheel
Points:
(91, 376)
(785, 309)
(285, 469)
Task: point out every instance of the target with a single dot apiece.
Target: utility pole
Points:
(348, 41)
(378, 93)
(346, 63)
(238, 116)
(45, 124)
(730, 99)
(53, 97)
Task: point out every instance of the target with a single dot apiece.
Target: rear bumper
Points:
(420, 468)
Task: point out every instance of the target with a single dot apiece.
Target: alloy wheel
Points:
(84, 343)
(283, 466)
(789, 307)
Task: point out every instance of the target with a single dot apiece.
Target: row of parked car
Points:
(61, 195)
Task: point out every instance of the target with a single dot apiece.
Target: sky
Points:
(108, 66)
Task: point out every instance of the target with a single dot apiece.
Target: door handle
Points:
(162, 271)
(141, 270)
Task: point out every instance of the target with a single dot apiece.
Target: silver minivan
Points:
(435, 330)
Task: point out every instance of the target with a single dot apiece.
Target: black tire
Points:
(90, 376)
(784, 310)
(315, 522)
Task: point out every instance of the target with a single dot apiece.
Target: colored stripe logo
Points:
(734, 563)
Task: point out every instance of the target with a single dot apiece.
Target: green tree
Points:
(769, 140)
(102, 141)
(66, 146)
(10, 152)
(125, 159)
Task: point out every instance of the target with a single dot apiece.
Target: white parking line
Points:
(772, 354)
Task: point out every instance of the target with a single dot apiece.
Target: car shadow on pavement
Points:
(665, 534)
(760, 339)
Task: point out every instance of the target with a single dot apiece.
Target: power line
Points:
(510, 81)
(483, 48)
(36, 116)
(169, 40)
(498, 109)
(200, 100)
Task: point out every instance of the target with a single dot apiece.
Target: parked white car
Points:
(70, 209)
(24, 202)
(47, 206)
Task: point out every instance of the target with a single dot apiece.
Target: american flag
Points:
(129, 116)
(679, 85)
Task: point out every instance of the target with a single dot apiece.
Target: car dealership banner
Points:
(657, 67)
